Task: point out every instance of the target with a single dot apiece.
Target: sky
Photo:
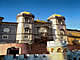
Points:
(42, 9)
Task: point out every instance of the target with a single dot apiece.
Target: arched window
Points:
(43, 31)
(62, 32)
(59, 50)
(52, 49)
(65, 50)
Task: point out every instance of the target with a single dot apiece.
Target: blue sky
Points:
(42, 9)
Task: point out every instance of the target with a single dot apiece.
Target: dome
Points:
(54, 16)
(57, 15)
(26, 14)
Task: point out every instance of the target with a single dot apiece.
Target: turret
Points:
(25, 27)
(58, 26)
(57, 46)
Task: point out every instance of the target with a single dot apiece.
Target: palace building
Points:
(51, 36)
(28, 30)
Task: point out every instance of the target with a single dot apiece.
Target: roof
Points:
(41, 21)
(56, 16)
(73, 30)
(25, 14)
(8, 23)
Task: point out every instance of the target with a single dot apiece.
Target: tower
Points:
(25, 27)
(58, 27)
(58, 46)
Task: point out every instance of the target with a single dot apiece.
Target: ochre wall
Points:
(72, 35)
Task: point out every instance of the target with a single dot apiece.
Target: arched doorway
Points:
(13, 51)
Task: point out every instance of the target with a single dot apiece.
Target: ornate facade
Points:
(51, 36)
(28, 30)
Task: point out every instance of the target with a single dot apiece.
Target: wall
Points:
(73, 35)
(11, 34)
(23, 48)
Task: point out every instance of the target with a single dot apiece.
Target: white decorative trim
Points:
(6, 30)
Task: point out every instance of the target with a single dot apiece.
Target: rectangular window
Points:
(26, 25)
(4, 36)
(27, 20)
(38, 30)
(26, 37)
(26, 30)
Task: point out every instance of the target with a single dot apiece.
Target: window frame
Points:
(26, 38)
(4, 36)
(26, 30)
(5, 29)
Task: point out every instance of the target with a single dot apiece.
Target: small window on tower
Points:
(27, 20)
(26, 25)
(61, 22)
(27, 30)
(26, 36)
(62, 32)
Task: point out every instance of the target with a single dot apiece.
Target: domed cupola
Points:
(57, 16)
(25, 14)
